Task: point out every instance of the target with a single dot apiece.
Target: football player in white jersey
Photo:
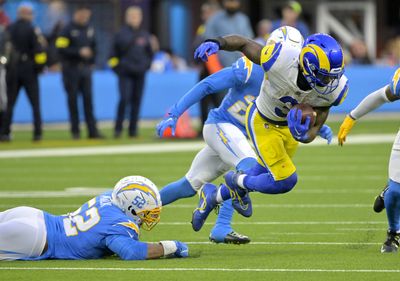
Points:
(390, 197)
(311, 75)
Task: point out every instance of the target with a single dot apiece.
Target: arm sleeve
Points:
(214, 83)
(127, 248)
(370, 103)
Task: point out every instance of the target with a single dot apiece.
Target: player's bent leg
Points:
(176, 190)
(206, 204)
(392, 204)
(206, 167)
(392, 200)
(22, 233)
(231, 145)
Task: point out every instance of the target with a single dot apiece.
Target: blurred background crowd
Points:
(129, 38)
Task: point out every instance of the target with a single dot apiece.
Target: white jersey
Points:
(279, 91)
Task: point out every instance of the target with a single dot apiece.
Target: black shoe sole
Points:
(229, 239)
(379, 204)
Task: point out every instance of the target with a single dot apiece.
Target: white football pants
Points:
(226, 147)
(22, 233)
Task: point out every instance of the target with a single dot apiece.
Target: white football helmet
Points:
(288, 34)
(139, 199)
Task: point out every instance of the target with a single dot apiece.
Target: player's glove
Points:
(182, 251)
(326, 133)
(175, 249)
(345, 129)
(206, 49)
(298, 130)
(168, 122)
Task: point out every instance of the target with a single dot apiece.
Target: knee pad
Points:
(246, 164)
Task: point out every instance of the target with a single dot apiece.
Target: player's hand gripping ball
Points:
(300, 119)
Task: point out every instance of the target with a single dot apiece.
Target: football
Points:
(306, 110)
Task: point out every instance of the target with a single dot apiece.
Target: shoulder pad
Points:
(394, 84)
(269, 54)
(342, 90)
(242, 69)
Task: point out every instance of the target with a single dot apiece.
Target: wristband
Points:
(219, 40)
(169, 247)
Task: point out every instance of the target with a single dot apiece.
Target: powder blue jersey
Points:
(243, 80)
(98, 228)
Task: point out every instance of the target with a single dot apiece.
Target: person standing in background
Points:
(211, 66)
(264, 29)
(27, 58)
(77, 48)
(4, 22)
(228, 21)
(130, 58)
(290, 16)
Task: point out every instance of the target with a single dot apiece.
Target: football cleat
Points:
(379, 203)
(391, 244)
(241, 201)
(231, 238)
(206, 204)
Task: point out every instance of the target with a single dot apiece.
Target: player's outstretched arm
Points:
(368, 104)
(221, 80)
(175, 249)
(250, 48)
(128, 248)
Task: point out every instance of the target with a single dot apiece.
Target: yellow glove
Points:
(345, 128)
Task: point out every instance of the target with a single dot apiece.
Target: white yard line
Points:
(312, 270)
(163, 147)
(309, 243)
(284, 223)
(94, 191)
(192, 206)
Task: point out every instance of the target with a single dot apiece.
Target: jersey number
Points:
(238, 109)
(76, 222)
(284, 109)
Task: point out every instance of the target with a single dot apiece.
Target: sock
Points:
(392, 205)
(223, 193)
(225, 214)
(176, 190)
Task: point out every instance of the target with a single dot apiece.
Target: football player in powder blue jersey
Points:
(107, 224)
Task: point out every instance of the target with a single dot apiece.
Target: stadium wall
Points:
(163, 89)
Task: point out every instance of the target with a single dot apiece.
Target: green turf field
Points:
(324, 229)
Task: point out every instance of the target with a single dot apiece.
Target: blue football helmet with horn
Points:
(322, 62)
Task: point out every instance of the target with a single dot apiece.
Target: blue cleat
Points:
(241, 201)
(206, 204)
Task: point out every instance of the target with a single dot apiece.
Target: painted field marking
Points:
(192, 206)
(94, 191)
(296, 243)
(285, 223)
(203, 269)
(164, 147)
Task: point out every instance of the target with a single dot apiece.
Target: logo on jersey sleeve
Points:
(269, 55)
(394, 85)
(130, 225)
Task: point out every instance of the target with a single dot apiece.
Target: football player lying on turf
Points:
(311, 75)
(390, 197)
(107, 224)
(224, 132)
